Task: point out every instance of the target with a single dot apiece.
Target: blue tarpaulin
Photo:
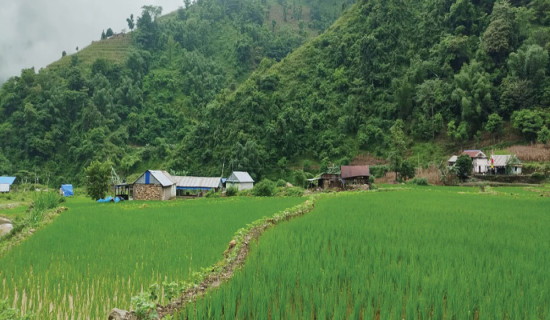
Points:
(67, 190)
(108, 199)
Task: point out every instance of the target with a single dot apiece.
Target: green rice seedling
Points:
(94, 257)
(418, 253)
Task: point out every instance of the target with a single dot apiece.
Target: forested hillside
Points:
(456, 69)
(133, 102)
(185, 98)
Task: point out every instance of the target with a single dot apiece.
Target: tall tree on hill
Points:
(500, 37)
(398, 147)
(130, 22)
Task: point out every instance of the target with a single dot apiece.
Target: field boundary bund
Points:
(22, 233)
(233, 258)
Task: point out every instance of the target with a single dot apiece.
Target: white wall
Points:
(479, 165)
(240, 186)
(4, 187)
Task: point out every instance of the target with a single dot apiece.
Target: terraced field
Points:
(433, 253)
(114, 49)
(96, 256)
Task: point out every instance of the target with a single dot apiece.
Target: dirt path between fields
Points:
(215, 279)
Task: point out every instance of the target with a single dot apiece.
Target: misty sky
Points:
(34, 33)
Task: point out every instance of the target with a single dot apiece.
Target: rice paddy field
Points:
(420, 253)
(94, 257)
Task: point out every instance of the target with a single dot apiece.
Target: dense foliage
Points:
(210, 85)
(55, 122)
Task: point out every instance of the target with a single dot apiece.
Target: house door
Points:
(479, 169)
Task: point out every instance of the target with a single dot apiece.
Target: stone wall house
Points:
(154, 185)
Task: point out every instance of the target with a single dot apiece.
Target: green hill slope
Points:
(223, 82)
(132, 98)
(453, 70)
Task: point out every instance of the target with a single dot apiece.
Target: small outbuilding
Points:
(355, 175)
(240, 179)
(154, 185)
(504, 164)
(5, 184)
(196, 186)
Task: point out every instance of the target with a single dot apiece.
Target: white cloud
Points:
(33, 33)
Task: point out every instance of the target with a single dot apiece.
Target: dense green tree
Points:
(494, 124)
(500, 37)
(528, 122)
(398, 147)
(473, 93)
(463, 167)
(130, 22)
(98, 174)
(543, 136)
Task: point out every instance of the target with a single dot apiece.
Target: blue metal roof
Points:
(8, 180)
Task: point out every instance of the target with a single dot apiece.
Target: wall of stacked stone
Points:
(147, 192)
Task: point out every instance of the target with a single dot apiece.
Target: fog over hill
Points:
(36, 32)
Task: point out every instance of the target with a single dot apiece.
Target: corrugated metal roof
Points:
(499, 160)
(475, 153)
(240, 176)
(163, 177)
(354, 171)
(452, 159)
(7, 180)
(197, 182)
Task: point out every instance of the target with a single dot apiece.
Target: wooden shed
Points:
(240, 179)
(154, 185)
(355, 175)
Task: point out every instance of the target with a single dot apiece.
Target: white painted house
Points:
(504, 164)
(5, 183)
(240, 179)
(479, 160)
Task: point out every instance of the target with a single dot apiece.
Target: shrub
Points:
(42, 202)
(293, 192)
(281, 183)
(231, 191)
(212, 194)
(379, 171)
(299, 178)
(245, 193)
(463, 167)
(265, 188)
(420, 181)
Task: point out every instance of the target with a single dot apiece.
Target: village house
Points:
(479, 160)
(504, 164)
(354, 175)
(240, 179)
(5, 183)
(495, 164)
(196, 186)
(154, 185)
